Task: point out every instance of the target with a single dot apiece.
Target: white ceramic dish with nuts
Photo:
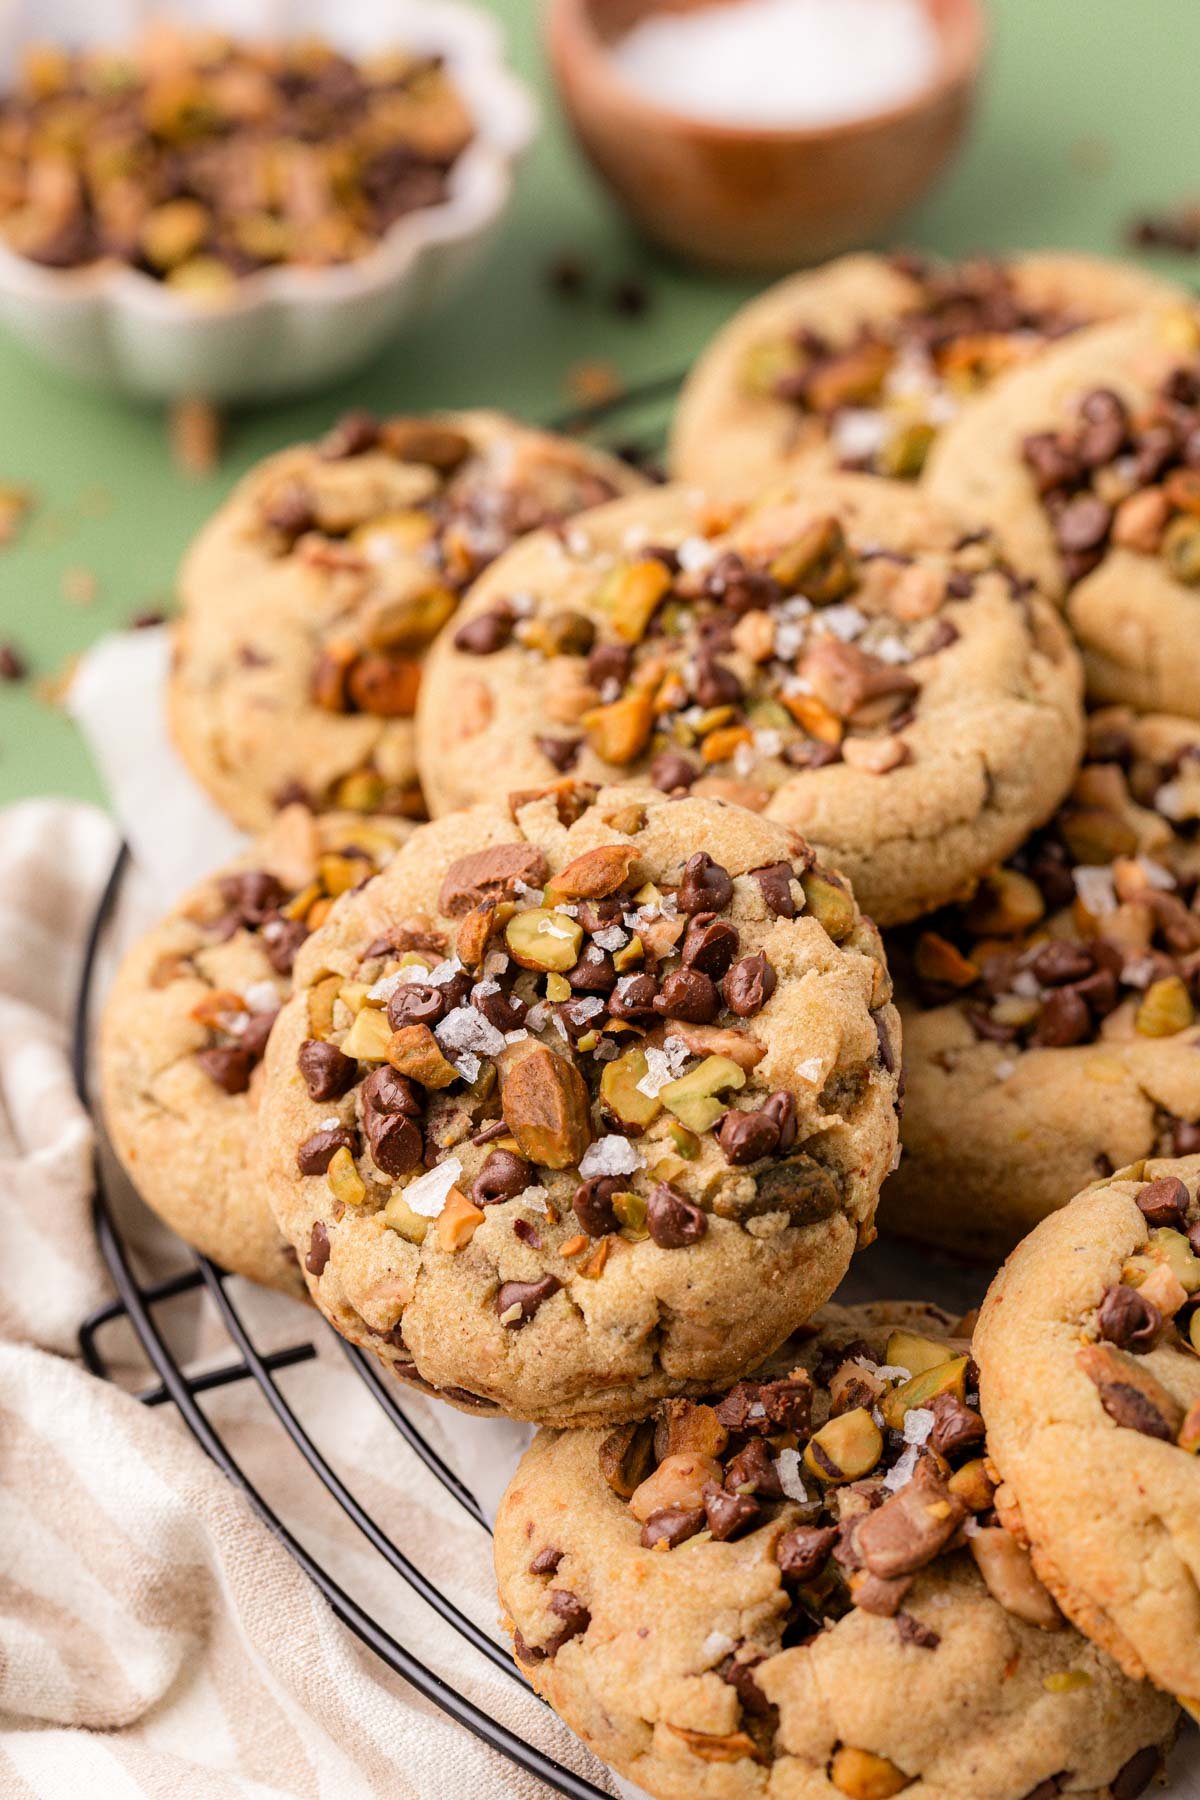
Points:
(284, 329)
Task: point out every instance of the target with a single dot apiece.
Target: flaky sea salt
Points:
(662, 1066)
(1155, 874)
(844, 622)
(429, 1193)
(1095, 889)
(695, 553)
(781, 62)
(918, 1423)
(810, 1069)
(466, 1029)
(901, 1471)
(885, 1371)
(715, 1646)
(610, 1156)
(787, 1465)
(858, 433)
(262, 996)
(611, 938)
(444, 972)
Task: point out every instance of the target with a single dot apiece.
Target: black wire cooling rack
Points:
(138, 1303)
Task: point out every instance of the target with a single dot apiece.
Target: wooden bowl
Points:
(739, 197)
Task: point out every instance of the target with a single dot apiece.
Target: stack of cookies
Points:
(574, 1103)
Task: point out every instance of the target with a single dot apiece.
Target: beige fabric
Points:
(155, 1640)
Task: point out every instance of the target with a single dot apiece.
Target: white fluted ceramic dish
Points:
(283, 331)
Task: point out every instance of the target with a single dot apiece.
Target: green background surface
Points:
(1088, 116)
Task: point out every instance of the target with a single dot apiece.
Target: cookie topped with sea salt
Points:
(586, 1103)
(800, 1587)
(842, 656)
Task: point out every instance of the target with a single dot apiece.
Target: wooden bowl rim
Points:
(573, 41)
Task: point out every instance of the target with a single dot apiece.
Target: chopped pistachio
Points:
(829, 903)
(686, 1142)
(343, 1179)
(945, 1378)
(693, 1097)
(845, 1449)
(399, 1217)
(909, 1350)
(630, 1209)
(619, 1090)
(369, 1036)
(541, 938)
(1165, 1009)
(630, 594)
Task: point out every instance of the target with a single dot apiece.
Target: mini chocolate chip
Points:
(229, 1066)
(746, 1137)
(527, 1232)
(387, 1091)
(568, 1607)
(738, 1671)
(760, 1407)
(561, 751)
(960, 585)
(484, 635)
(503, 1176)
(609, 662)
(887, 1053)
(1051, 462)
(811, 753)
(254, 1034)
(318, 1250)
(1083, 524)
(1063, 1020)
(1059, 962)
(749, 985)
(598, 914)
(316, 1153)
(774, 883)
(546, 1561)
(290, 511)
(327, 1073)
(397, 1146)
(633, 997)
(416, 1003)
(729, 1515)
(594, 973)
(256, 894)
(1165, 1202)
(527, 1295)
(593, 1204)
(1135, 1776)
(715, 685)
(527, 1653)
(1106, 424)
(353, 434)
(672, 1525)
(705, 887)
(1127, 1319)
(670, 770)
(1050, 1788)
(754, 1468)
(673, 1222)
(913, 1632)
(689, 995)
(281, 939)
(505, 1011)
(13, 666)
(781, 1107)
(955, 1426)
(803, 1553)
(738, 587)
(710, 944)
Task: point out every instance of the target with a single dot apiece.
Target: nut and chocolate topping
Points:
(1089, 1357)
(793, 656)
(551, 1065)
(805, 1551)
(865, 361)
(1092, 931)
(312, 597)
(186, 1026)
(200, 159)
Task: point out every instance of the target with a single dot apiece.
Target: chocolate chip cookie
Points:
(863, 362)
(842, 657)
(801, 1587)
(1087, 1348)
(186, 1021)
(1051, 1031)
(309, 600)
(570, 1113)
(1088, 467)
